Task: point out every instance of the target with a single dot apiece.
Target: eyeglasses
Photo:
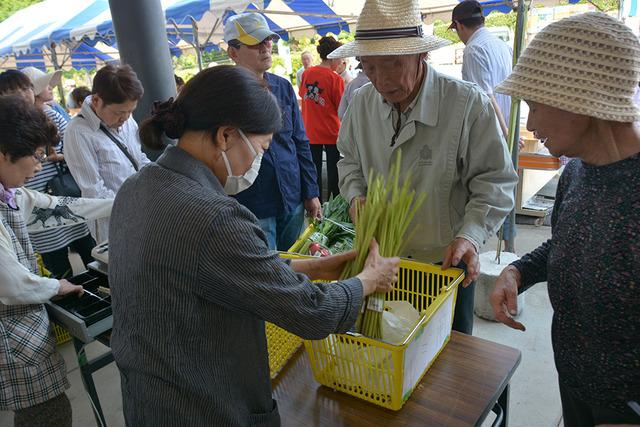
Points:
(268, 42)
(40, 156)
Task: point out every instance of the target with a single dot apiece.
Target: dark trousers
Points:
(57, 262)
(54, 412)
(463, 314)
(577, 413)
(333, 155)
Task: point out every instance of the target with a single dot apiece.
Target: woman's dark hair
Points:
(24, 128)
(14, 80)
(179, 80)
(79, 94)
(326, 45)
(225, 95)
(115, 85)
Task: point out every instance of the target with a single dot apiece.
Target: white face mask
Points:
(235, 184)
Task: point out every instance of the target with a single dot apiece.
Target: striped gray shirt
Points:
(192, 283)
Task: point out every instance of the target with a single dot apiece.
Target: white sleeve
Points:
(476, 69)
(17, 284)
(344, 102)
(351, 178)
(488, 174)
(82, 160)
(42, 211)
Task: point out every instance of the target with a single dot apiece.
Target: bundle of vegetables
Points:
(386, 215)
(334, 233)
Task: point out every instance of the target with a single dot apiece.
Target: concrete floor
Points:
(534, 392)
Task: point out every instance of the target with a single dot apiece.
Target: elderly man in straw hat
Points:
(449, 137)
(578, 76)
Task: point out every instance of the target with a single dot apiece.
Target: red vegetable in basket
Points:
(316, 249)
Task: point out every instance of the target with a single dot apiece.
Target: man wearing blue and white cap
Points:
(286, 184)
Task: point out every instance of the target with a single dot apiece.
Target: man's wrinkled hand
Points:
(461, 249)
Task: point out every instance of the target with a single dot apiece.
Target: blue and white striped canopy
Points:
(63, 21)
(69, 22)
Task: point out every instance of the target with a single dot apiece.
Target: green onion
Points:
(390, 207)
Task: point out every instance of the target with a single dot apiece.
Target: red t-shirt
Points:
(321, 90)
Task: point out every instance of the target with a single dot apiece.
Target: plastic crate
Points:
(281, 345)
(61, 334)
(386, 374)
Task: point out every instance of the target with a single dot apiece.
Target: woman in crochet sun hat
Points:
(578, 76)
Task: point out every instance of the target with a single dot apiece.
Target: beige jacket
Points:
(452, 144)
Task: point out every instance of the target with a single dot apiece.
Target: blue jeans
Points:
(282, 231)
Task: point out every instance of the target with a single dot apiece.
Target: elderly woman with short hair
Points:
(32, 372)
(578, 76)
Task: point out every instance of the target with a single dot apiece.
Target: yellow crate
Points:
(281, 345)
(61, 334)
(386, 374)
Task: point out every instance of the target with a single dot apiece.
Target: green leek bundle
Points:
(390, 207)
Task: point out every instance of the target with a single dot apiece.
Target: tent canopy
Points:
(67, 23)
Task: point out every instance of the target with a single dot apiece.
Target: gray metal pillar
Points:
(521, 32)
(142, 41)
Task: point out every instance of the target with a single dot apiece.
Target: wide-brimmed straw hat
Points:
(587, 64)
(389, 27)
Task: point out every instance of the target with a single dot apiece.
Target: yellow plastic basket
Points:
(386, 374)
(281, 345)
(61, 334)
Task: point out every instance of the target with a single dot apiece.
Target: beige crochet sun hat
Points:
(586, 64)
(389, 27)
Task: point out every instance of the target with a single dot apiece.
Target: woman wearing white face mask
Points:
(191, 275)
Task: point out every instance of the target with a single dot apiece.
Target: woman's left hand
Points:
(330, 267)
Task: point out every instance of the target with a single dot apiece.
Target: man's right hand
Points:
(379, 273)
(504, 298)
(358, 200)
(66, 288)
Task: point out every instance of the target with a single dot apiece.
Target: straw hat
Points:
(587, 64)
(389, 27)
(40, 79)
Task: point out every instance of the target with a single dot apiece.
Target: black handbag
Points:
(63, 183)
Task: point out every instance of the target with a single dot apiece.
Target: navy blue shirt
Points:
(287, 175)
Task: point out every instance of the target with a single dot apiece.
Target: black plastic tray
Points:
(88, 307)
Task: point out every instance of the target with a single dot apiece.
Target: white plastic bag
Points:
(398, 320)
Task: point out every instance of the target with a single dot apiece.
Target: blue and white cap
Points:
(248, 28)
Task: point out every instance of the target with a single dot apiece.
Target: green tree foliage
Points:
(495, 19)
(601, 5)
(9, 7)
